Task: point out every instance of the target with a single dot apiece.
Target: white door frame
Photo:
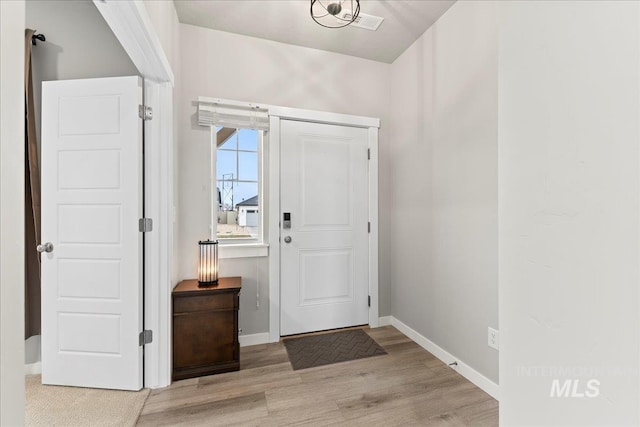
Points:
(132, 26)
(283, 113)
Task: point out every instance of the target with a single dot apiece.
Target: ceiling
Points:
(288, 21)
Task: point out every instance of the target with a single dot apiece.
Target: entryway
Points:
(92, 261)
(323, 232)
(93, 329)
(324, 212)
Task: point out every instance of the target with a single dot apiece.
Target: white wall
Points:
(79, 43)
(444, 185)
(568, 156)
(242, 68)
(12, 18)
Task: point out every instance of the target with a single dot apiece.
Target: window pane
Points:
(241, 221)
(231, 143)
(226, 165)
(226, 189)
(248, 165)
(248, 139)
(244, 191)
(238, 183)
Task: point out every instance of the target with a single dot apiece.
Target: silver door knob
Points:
(45, 247)
(287, 239)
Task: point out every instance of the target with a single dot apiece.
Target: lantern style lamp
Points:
(208, 264)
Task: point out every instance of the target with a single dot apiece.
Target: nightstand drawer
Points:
(188, 304)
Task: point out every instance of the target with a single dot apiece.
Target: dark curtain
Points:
(32, 203)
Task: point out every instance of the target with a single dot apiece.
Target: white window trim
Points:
(248, 250)
(245, 247)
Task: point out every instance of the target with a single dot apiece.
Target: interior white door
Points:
(91, 203)
(324, 253)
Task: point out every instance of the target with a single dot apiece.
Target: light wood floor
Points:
(408, 386)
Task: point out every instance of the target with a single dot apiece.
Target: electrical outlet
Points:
(494, 338)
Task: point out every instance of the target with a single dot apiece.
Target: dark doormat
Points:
(325, 349)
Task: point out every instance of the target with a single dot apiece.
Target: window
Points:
(238, 184)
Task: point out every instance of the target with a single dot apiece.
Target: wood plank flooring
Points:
(407, 387)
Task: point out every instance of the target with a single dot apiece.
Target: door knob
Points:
(287, 239)
(45, 247)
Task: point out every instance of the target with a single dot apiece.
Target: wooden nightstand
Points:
(205, 328)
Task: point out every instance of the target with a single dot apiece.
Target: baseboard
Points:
(33, 368)
(253, 339)
(462, 368)
(384, 321)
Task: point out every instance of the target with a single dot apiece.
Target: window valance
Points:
(232, 114)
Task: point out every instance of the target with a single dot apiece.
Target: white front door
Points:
(91, 203)
(324, 253)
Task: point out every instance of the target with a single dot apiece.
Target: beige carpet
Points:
(48, 405)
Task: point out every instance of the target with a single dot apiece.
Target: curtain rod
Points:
(40, 37)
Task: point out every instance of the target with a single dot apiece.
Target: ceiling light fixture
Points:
(327, 12)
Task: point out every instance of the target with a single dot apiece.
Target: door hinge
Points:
(369, 227)
(145, 225)
(368, 153)
(369, 300)
(145, 113)
(145, 337)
